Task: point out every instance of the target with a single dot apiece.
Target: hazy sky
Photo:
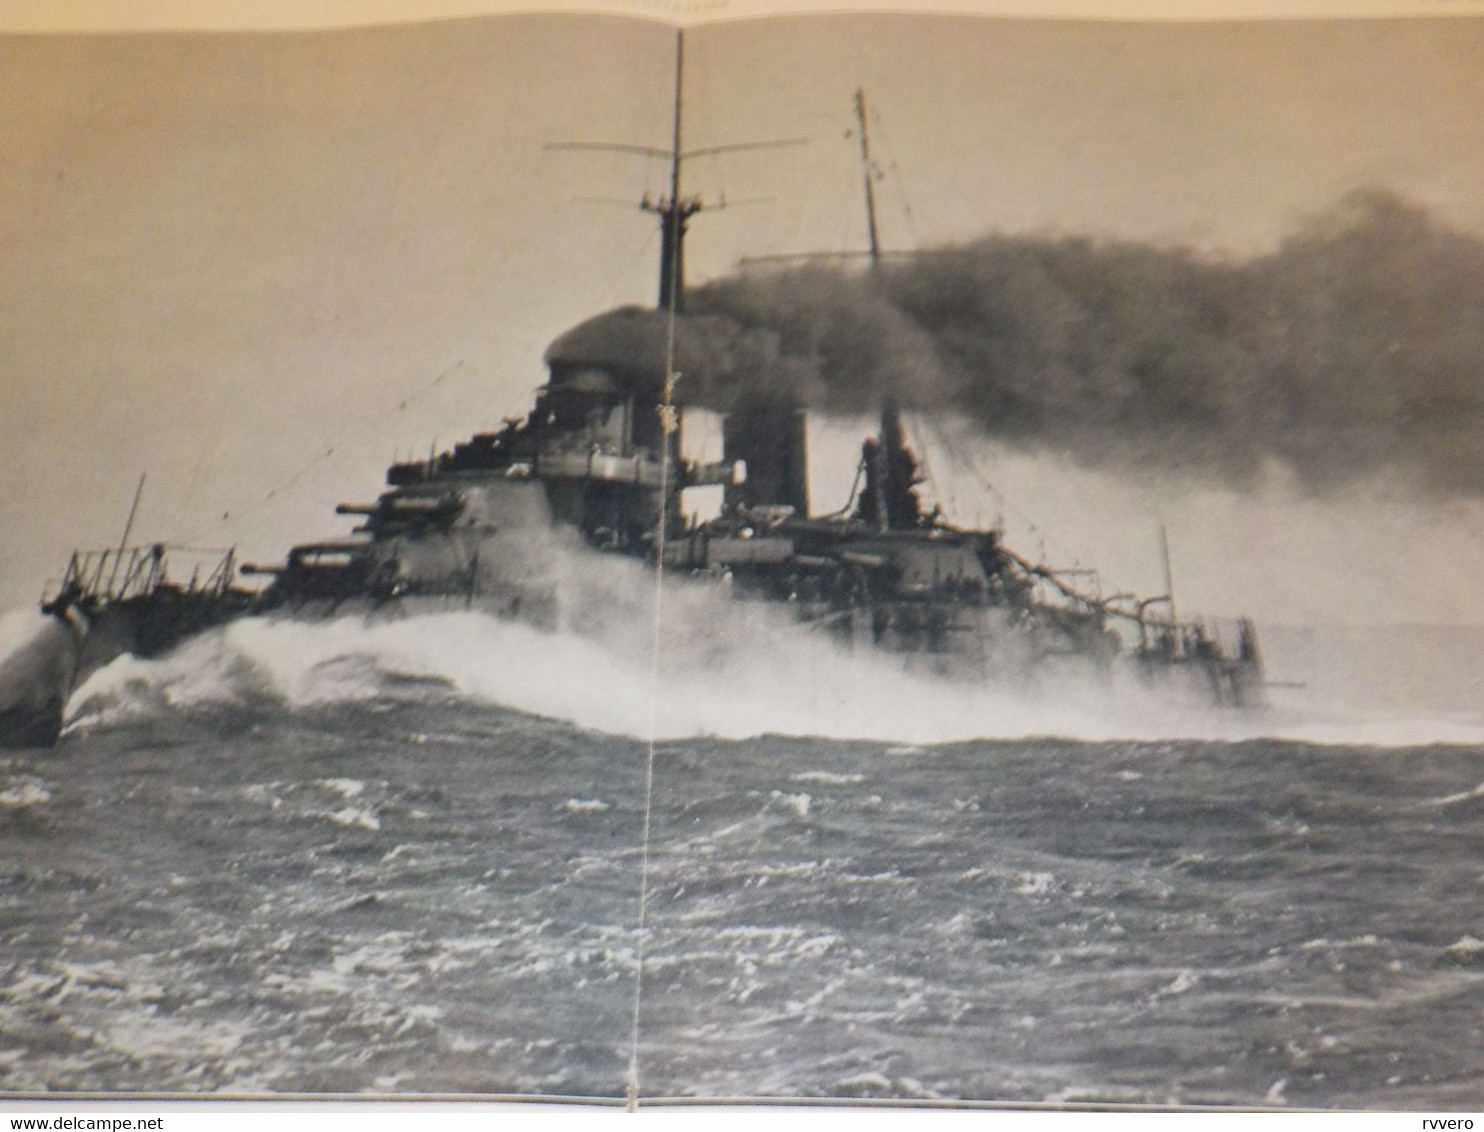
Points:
(227, 255)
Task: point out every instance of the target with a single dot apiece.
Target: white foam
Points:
(864, 1081)
(585, 806)
(1035, 884)
(796, 804)
(26, 794)
(726, 668)
(1182, 983)
(1466, 796)
(1322, 944)
(350, 816)
(347, 788)
(19, 627)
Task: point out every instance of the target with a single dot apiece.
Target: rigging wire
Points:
(855, 488)
(231, 516)
(941, 494)
(891, 163)
(969, 464)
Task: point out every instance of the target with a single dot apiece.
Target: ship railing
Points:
(1161, 635)
(121, 573)
(1062, 581)
(1206, 639)
(560, 462)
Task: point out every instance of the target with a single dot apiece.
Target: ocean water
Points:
(405, 858)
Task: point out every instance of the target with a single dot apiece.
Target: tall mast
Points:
(868, 171)
(124, 541)
(1164, 553)
(674, 210)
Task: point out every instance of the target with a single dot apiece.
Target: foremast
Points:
(674, 212)
(675, 209)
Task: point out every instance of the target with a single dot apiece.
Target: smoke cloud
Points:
(1354, 349)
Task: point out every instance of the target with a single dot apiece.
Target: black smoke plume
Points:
(1353, 350)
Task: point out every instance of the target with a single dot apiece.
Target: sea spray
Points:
(727, 668)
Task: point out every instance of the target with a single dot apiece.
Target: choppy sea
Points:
(406, 858)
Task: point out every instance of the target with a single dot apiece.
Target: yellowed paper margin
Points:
(267, 15)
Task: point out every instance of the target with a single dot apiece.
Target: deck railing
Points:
(119, 573)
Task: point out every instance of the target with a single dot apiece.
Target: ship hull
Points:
(949, 603)
(974, 645)
(35, 681)
(75, 642)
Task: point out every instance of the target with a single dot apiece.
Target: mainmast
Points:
(868, 175)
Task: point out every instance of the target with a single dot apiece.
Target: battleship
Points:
(599, 466)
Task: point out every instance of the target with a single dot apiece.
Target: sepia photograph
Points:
(883, 558)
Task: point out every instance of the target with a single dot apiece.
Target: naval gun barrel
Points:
(815, 562)
(444, 504)
(423, 504)
(247, 569)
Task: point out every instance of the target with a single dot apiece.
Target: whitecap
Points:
(1182, 983)
(585, 806)
(1466, 796)
(25, 794)
(797, 804)
(1035, 884)
(347, 788)
(350, 816)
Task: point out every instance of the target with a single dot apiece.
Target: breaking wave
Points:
(728, 669)
(18, 627)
